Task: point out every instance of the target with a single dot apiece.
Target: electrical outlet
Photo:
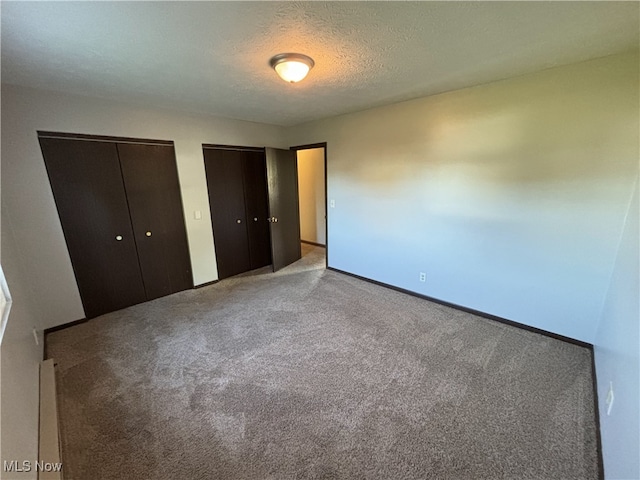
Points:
(332, 203)
(423, 277)
(610, 398)
(35, 336)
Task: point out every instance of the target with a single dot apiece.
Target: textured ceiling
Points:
(212, 57)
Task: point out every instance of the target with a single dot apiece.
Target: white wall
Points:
(27, 195)
(511, 196)
(311, 194)
(617, 356)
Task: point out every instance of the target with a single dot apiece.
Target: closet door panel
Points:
(226, 201)
(87, 185)
(155, 204)
(282, 175)
(257, 208)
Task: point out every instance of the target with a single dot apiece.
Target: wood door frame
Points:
(326, 200)
(103, 138)
(214, 146)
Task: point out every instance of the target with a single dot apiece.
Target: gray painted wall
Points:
(510, 196)
(20, 360)
(617, 355)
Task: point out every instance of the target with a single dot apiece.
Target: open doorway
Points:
(312, 195)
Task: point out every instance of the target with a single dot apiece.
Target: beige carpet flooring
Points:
(308, 373)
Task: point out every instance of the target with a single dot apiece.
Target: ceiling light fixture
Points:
(292, 67)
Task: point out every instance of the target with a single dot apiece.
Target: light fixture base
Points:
(291, 67)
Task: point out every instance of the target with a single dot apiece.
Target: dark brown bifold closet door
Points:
(89, 193)
(153, 191)
(257, 208)
(237, 183)
(121, 212)
(282, 176)
(224, 172)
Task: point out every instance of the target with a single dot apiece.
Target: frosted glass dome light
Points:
(291, 67)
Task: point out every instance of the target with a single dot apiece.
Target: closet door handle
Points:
(118, 238)
(148, 234)
(238, 221)
(255, 219)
